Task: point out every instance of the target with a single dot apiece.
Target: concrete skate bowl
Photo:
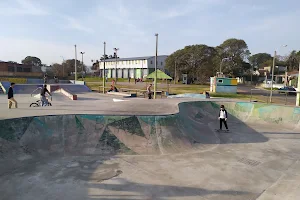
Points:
(65, 157)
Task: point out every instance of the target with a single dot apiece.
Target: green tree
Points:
(69, 66)
(57, 69)
(31, 60)
(258, 59)
(196, 60)
(237, 51)
(293, 60)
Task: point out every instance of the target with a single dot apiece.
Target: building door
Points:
(125, 73)
(131, 73)
(120, 73)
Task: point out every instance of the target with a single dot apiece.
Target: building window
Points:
(19, 69)
(11, 69)
(138, 62)
(161, 63)
(151, 62)
(26, 70)
(144, 61)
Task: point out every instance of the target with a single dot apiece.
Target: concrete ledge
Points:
(67, 93)
(122, 94)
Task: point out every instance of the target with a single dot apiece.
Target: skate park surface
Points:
(105, 147)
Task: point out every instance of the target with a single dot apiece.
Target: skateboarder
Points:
(223, 117)
(10, 96)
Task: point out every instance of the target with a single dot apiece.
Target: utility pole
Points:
(273, 68)
(103, 74)
(63, 66)
(175, 72)
(75, 64)
(82, 64)
(155, 78)
(298, 89)
(116, 55)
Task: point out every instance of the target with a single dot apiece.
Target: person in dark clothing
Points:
(44, 100)
(149, 92)
(223, 117)
(10, 96)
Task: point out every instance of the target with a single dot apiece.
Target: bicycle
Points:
(38, 103)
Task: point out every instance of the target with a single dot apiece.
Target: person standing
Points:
(223, 117)
(43, 95)
(10, 96)
(149, 92)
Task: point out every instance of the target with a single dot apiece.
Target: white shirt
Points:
(222, 114)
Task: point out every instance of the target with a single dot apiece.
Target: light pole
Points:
(175, 72)
(75, 64)
(82, 64)
(116, 55)
(273, 68)
(298, 89)
(155, 78)
(63, 66)
(103, 74)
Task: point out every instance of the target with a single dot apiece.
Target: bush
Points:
(15, 80)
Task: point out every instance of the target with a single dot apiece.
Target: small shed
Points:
(223, 85)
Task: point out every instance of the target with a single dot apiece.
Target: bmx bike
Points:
(38, 103)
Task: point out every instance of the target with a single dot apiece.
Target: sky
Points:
(49, 29)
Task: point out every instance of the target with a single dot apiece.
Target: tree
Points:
(69, 66)
(95, 65)
(13, 62)
(196, 60)
(57, 70)
(237, 51)
(293, 60)
(33, 61)
(258, 59)
(104, 56)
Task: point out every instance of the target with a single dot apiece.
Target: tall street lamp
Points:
(63, 66)
(103, 73)
(75, 64)
(116, 56)
(82, 64)
(298, 89)
(155, 68)
(273, 68)
(224, 59)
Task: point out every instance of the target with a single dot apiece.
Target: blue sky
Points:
(49, 29)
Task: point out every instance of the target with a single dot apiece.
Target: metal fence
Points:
(279, 97)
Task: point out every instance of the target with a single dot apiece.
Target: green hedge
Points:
(15, 80)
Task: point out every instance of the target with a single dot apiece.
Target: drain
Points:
(249, 162)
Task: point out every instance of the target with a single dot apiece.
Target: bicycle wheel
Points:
(34, 105)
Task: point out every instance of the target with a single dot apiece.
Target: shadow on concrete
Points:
(151, 191)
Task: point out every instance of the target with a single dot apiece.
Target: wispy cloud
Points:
(23, 7)
(75, 24)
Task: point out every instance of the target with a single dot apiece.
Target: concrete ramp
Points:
(180, 156)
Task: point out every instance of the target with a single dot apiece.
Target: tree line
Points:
(232, 58)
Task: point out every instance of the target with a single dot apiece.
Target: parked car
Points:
(287, 88)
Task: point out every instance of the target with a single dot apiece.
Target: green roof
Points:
(160, 75)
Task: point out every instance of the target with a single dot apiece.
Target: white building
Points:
(137, 67)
